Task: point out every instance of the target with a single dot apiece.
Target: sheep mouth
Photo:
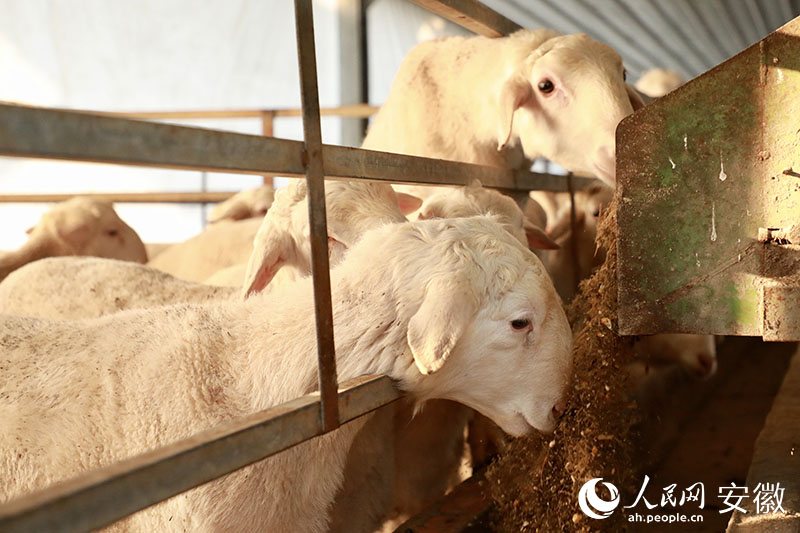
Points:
(517, 425)
(547, 428)
(607, 175)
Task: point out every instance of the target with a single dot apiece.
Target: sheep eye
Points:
(520, 323)
(546, 86)
(624, 75)
(112, 233)
(596, 213)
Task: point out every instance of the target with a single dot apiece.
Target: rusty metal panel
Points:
(699, 172)
(781, 313)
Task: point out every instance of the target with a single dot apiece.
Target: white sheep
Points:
(249, 203)
(474, 199)
(284, 239)
(98, 287)
(232, 276)
(696, 354)
(352, 208)
(505, 101)
(217, 247)
(133, 381)
(561, 262)
(103, 287)
(442, 471)
(90, 287)
(657, 82)
(155, 248)
(78, 226)
(282, 246)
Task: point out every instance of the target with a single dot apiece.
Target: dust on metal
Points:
(699, 172)
(781, 313)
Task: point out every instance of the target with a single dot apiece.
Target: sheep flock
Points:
(495, 319)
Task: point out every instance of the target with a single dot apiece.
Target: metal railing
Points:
(266, 116)
(101, 497)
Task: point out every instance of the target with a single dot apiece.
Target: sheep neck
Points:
(32, 250)
(369, 331)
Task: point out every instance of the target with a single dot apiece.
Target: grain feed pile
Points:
(535, 484)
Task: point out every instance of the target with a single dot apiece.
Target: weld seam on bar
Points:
(315, 178)
(101, 497)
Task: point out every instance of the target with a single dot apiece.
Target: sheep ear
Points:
(227, 210)
(515, 93)
(538, 238)
(408, 203)
(270, 251)
(636, 99)
(434, 330)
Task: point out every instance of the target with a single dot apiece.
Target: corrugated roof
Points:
(687, 36)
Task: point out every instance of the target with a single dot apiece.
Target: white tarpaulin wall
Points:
(151, 55)
(130, 55)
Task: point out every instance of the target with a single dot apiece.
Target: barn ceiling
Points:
(688, 36)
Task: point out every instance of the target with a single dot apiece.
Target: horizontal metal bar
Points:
(103, 496)
(347, 111)
(70, 135)
(125, 197)
(58, 134)
(465, 505)
(472, 15)
(346, 162)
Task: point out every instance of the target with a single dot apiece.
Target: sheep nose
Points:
(558, 408)
(706, 363)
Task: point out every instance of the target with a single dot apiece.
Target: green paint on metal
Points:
(667, 176)
(683, 309)
(699, 171)
(741, 304)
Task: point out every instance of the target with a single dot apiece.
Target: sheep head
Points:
(88, 227)
(485, 326)
(564, 103)
(474, 199)
(284, 236)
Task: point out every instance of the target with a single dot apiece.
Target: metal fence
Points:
(101, 497)
(265, 116)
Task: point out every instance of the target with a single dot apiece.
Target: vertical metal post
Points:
(267, 119)
(573, 224)
(203, 205)
(363, 40)
(315, 178)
